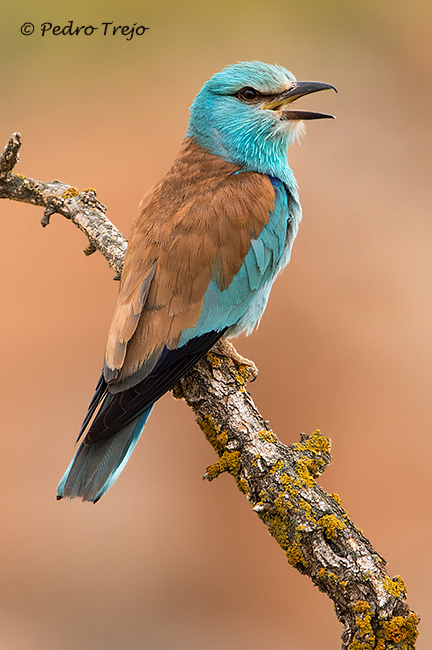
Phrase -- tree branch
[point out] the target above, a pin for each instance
(311, 526)
(82, 208)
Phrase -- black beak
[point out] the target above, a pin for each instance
(299, 89)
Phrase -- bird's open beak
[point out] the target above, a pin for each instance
(299, 89)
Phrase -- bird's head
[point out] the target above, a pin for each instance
(244, 113)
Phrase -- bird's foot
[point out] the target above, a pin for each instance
(226, 349)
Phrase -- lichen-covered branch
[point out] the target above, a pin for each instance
(311, 527)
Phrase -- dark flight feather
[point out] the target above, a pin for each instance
(116, 410)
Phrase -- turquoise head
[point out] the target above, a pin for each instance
(243, 114)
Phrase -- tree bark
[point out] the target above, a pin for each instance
(311, 526)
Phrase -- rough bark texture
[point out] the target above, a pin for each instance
(312, 527)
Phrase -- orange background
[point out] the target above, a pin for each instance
(166, 560)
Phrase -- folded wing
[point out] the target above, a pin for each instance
(192, 237)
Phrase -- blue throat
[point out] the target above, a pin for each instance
(249, 148)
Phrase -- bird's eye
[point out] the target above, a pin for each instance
(247, 94)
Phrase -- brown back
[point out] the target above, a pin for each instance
(197, 223)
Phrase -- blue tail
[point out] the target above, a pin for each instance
(96, 467)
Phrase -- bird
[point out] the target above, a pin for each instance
(209, 241)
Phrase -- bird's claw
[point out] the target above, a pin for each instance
(226, 349)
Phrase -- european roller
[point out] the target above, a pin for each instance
(204, 252)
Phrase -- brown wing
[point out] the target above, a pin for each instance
(197, 223)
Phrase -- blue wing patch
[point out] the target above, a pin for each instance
(241, 305)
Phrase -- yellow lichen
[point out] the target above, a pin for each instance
(361, 606)
(243, 485)
(279, 504)
(399, 630)
(20, 176)
(331, 578)
(295, 556)
(336, 498)
(278, 523)
(268, 436)
(228, 462)
(395, 587)
(286, 480)
(277, 466)
(330, 525)
(212, 432)
(89, 189)
(214, 360)
(365, 637)
(308, 468)
(70, 193)
(291, 485)
(307, 509)
(242, 374)
(315, 443)
(255, 460)
(402, 631)
(303, 471)
(278, 528)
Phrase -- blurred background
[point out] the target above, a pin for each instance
(166, 560)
